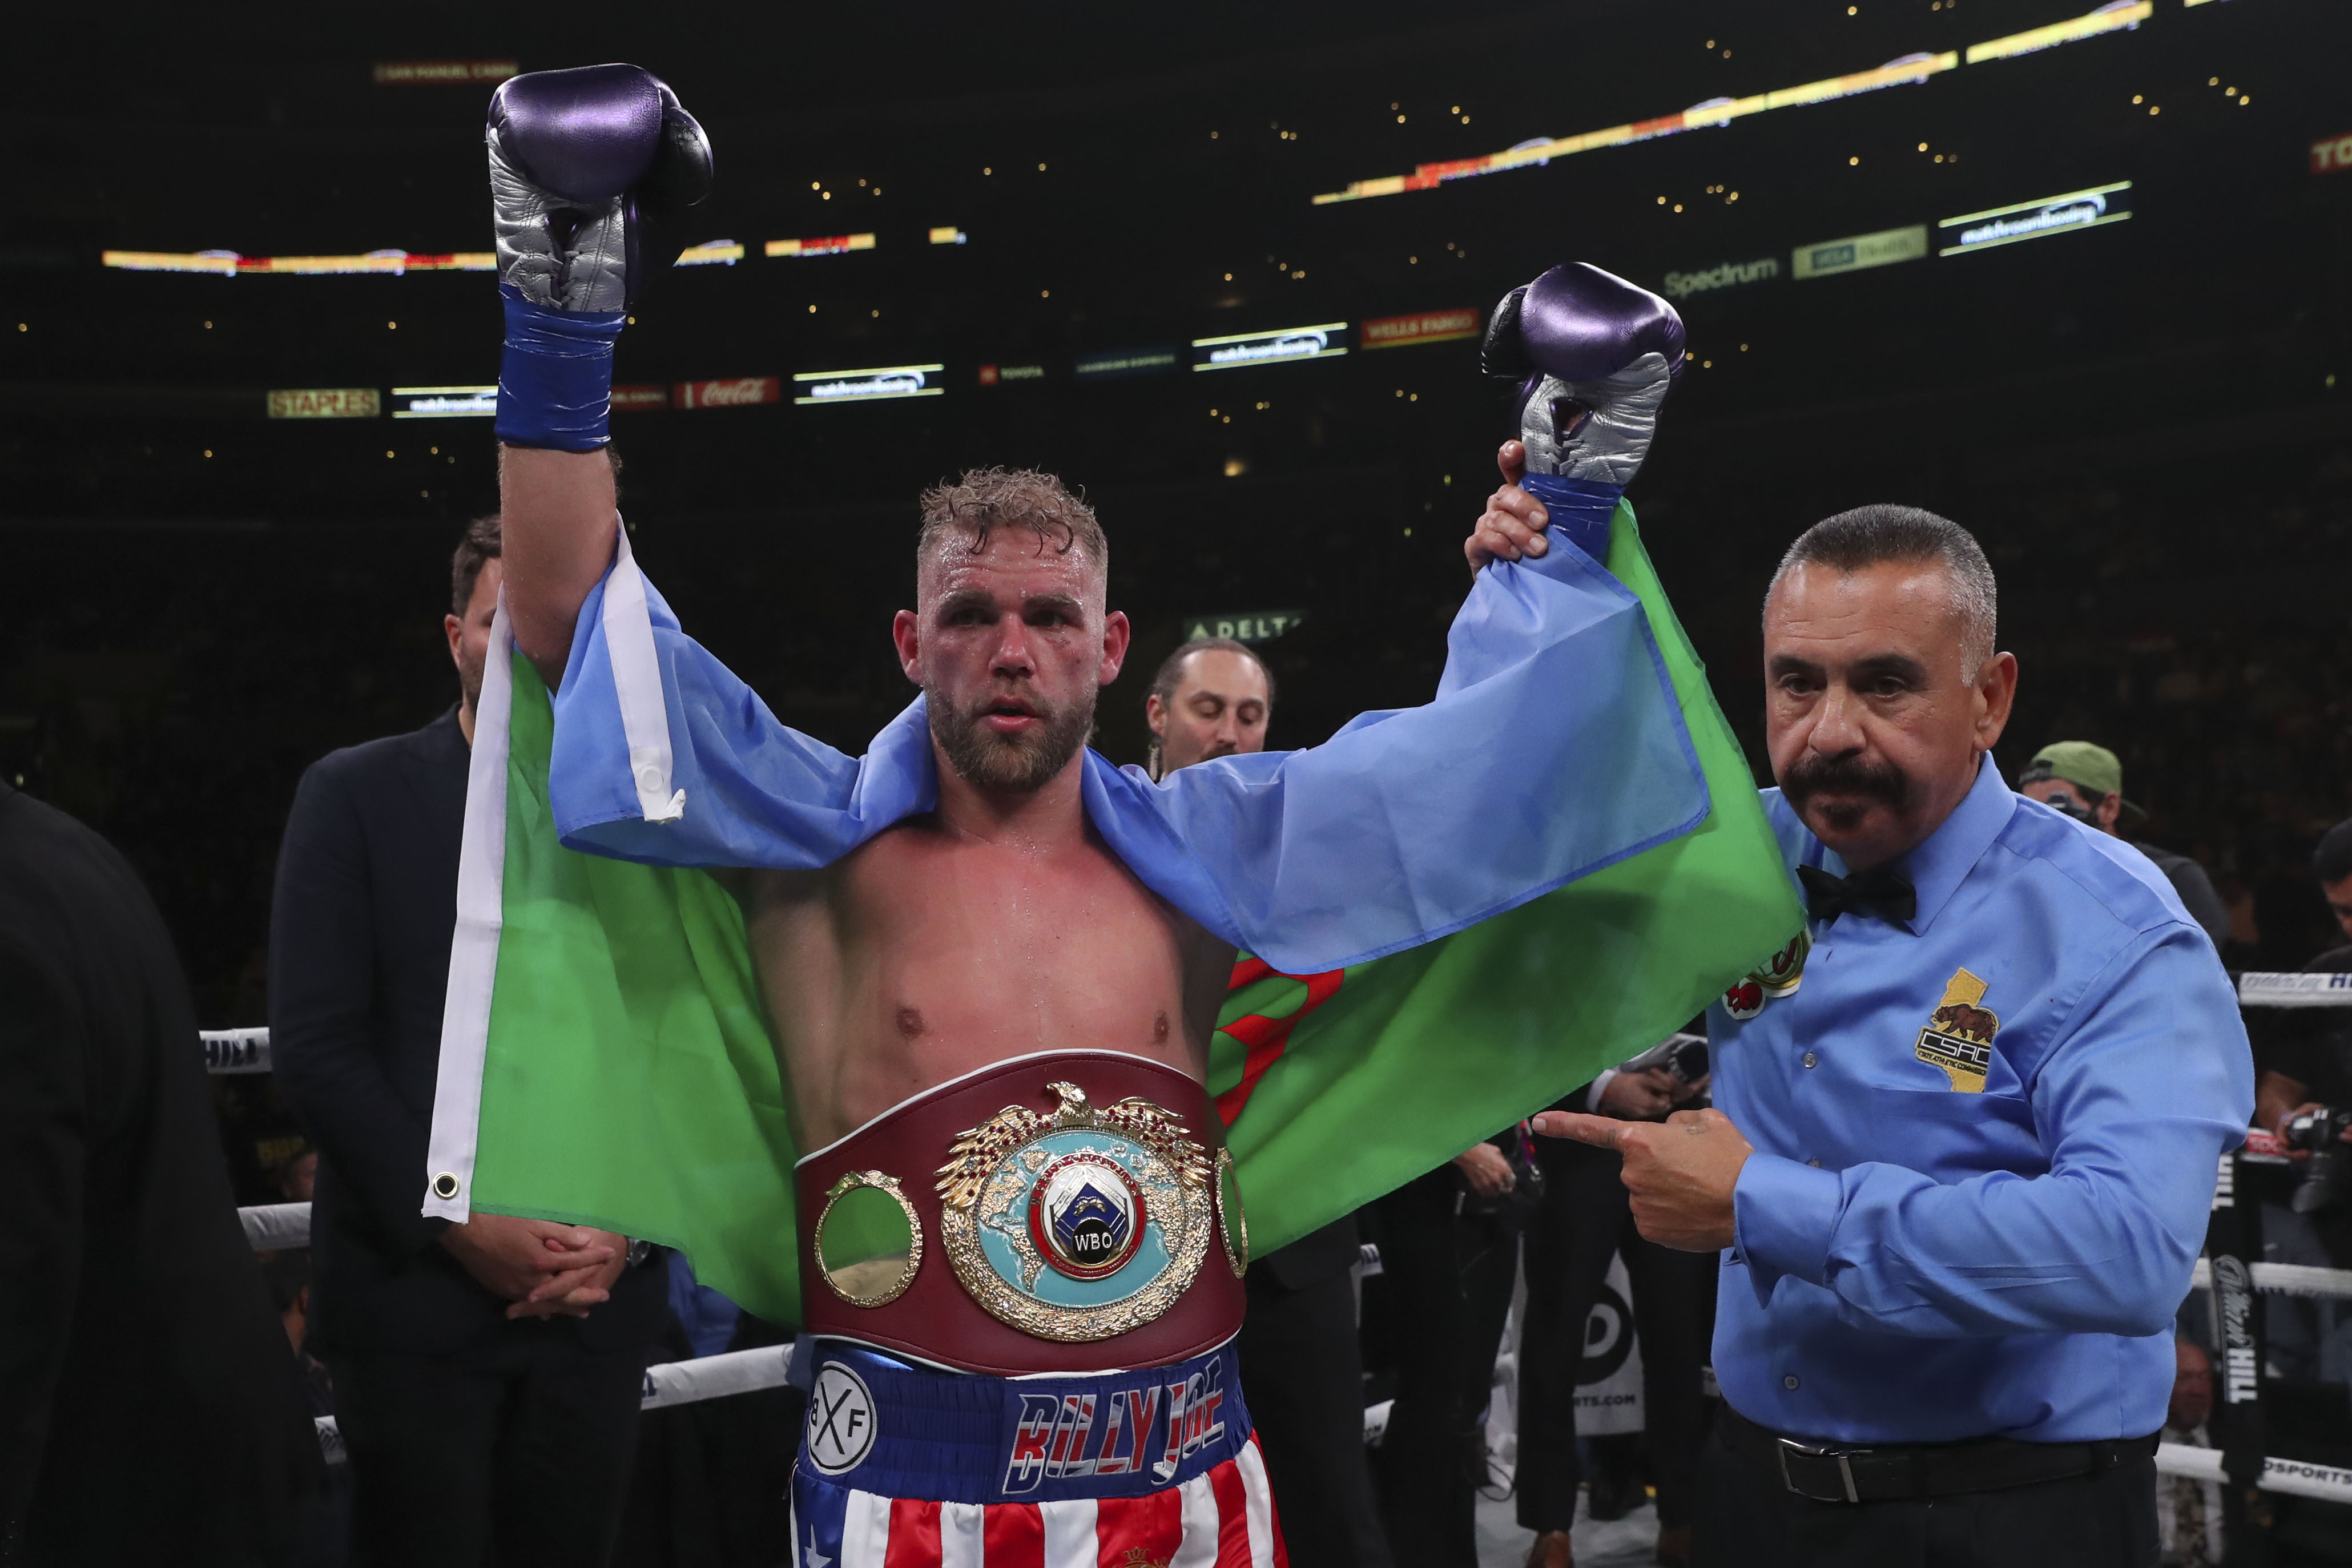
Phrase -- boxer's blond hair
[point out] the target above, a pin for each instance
(986, 500)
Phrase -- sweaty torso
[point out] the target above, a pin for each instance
(923, 956)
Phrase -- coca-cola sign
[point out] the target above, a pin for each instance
(737, 391)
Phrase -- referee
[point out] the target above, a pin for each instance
(1966, 1146)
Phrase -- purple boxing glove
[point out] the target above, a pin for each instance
(579, 161)
(1595, 356)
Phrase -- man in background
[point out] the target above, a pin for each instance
(1213, 697)
(474, 1420)
(149, 1409)
(2086, 783)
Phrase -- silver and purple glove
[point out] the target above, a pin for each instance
(584, 163)
(1594, 357)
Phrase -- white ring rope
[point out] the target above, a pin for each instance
(2259, 988)
(2303, 1478)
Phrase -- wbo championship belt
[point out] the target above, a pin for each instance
(1066, 1211)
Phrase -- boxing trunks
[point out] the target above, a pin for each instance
(1020, 1290)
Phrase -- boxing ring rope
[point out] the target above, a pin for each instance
(273, 1227)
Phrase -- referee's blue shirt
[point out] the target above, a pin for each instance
(1915, 1261)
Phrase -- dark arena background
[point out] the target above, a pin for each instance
(2079, 279)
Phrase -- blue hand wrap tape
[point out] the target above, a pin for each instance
(555, 379)
(1579, 510)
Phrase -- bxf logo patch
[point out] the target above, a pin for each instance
(1153, 1426)
(841, 1424)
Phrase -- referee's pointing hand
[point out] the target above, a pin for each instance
(1681, 1171)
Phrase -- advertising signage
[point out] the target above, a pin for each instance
(1328, 341)
(2035, 220)
(729, 391)
(441, 73)
(1729, 275)
(445, 402)
(1429, 327)
(1855, 252)
(1244, 625)
(2331, 154)
(326, 403)
(638, 398)
(868, 386)
(1111, 363)
(997, 375)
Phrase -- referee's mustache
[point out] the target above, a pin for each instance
(1848, 776)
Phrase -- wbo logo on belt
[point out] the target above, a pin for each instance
(1080, 1223)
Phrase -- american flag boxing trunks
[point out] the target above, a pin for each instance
(905, 1466)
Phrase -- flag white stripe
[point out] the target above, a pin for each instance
(637, 685)
(961, 1527)
(1069, 1534)
(864, 1529)
(1259, 1507)
(1199, 1500)
(474, 952)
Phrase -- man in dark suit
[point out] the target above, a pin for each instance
(1213, 697)
(486, 1375)
(149, 1409)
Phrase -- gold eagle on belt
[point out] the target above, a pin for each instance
(976, 1154)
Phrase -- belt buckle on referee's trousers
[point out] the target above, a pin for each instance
(1802, 1450)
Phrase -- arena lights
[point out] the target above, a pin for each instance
(831, 245)
(2109, 18)
(868, 386)
(1328, 341)
(229, 264)
(1721, 111)
(445, 402)
(711, 253)
(2090, 209)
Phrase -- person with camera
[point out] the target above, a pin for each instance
(1584, 1219)
(2305, 1091)
(1449, 1245)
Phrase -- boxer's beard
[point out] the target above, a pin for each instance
(1017, 764)
(1860, 782)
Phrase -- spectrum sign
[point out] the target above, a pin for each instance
(1328, 341)
(1729, 275)
(1429, 327)
(868, 386)
(445, 402)
(1996, 226)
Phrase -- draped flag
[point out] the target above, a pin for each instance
(628, 1078)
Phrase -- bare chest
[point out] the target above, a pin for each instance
(921, 958)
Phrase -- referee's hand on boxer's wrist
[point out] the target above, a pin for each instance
(1513, 522)
(1681, 1172)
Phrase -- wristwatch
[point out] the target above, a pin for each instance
(640, 1249)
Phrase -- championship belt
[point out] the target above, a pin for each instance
(1067, 1211)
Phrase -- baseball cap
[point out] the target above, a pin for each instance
(2082, 764)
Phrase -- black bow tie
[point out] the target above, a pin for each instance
(1881, 893)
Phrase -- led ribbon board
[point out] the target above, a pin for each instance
(1111, 364)
(445, 402)
(1905, 70)
(229, 264)
(868, 386)
(711, 253)
(831, 245)
(1328, 341)
(2035, 220)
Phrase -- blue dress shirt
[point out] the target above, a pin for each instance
(1918, 1260)
(1555, 747)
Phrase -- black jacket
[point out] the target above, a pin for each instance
(150, 1408)
(358, 962)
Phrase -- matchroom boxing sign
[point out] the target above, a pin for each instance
(1245, 625)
